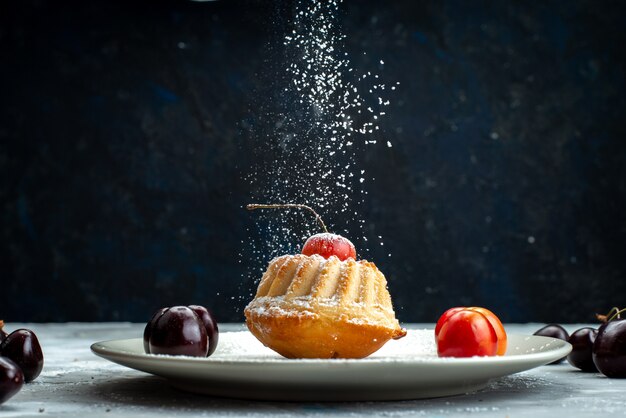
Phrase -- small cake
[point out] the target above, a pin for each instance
(309, 306)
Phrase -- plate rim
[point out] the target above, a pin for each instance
(563, 348)
(333, 380)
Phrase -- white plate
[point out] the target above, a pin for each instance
(407, 368)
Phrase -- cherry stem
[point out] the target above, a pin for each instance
(254, 206)
(612, 311)
(616, 313)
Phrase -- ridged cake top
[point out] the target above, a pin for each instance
(325, 281)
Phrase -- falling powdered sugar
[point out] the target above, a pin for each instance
(324, 113)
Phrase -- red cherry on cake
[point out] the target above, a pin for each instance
(327, 245)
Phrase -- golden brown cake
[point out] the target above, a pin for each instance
(312, 307)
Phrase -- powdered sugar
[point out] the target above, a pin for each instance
(243, 346)
(327, 113)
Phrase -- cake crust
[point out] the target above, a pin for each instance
(311, 307)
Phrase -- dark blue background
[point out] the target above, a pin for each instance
(126, 130)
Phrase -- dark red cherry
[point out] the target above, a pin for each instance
(11, 379)
(210, 324)
(147, 331)
(582, 344)
(22, 346)
(609, 349)
(327, 245)
(554, 331)
(179, 331)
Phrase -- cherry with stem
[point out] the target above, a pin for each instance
(325, 244)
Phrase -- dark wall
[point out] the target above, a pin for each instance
(127, 130)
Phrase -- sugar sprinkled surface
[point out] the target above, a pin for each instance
(243, 346)
(104, 388)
